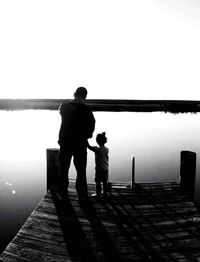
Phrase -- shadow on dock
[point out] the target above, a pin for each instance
(73, 233)
(152, 222)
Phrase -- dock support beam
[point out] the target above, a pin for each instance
(133, 173)
(188, 171)
(52, 166)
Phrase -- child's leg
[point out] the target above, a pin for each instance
(98, 184)
(105, 182)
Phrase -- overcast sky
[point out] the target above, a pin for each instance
(146, 49)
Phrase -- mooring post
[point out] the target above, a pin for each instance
(52, 166)
(133, 172)
(188, 171)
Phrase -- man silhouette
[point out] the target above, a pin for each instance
(77, 125)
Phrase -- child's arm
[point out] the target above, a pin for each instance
(90, 147)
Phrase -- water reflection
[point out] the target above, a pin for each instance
(6, 188)
(155, 140)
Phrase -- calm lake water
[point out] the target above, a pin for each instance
(154, 139)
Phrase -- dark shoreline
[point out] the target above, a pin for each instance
(107, 105)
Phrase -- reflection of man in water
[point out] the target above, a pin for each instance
(76, 127)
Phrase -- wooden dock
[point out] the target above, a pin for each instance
(151, 222)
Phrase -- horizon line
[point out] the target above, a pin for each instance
(107, 105)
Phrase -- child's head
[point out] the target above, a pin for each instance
(101, 138)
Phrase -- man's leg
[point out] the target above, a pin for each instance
(105, 187)
(80, 163)
(65, 156)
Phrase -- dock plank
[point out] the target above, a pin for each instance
(151, 222)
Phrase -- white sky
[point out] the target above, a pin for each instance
(134, 49)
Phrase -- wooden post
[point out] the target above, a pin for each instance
(52, 166)
(188, 171)
(133, 172)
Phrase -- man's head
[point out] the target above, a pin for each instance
(81, 93)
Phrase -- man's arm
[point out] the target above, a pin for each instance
(91, 124)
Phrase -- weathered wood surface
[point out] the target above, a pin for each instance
(152, 222)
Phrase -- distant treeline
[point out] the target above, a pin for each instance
(107, 105)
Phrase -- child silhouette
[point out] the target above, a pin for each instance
(101, 164)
